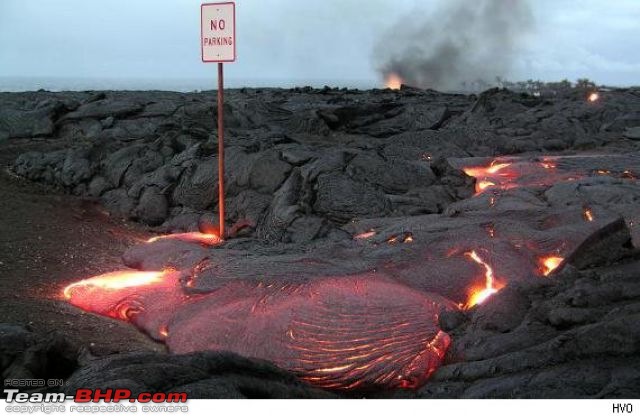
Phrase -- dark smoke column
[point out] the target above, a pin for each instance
(462, 45)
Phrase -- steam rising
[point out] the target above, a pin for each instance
(463, 45)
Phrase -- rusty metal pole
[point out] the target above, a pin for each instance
(221, 150)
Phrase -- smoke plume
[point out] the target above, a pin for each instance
(463, 45)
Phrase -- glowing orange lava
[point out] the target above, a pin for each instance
(593, 97)
(364, 236)
(549, 264)
(548, 164)
(117, 294)
(492, 169)
(164, 331)
(482, 185)
(116, 280)
(491, 231)
(496, 167)
(491, 287)
(393, 81)
(588, 214)
(483, 174)
(192, 237)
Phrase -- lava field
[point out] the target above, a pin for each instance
(382, 243)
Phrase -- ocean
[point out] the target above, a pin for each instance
(16, 84)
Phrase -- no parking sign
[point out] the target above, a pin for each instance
(218, 44)
(218, 32)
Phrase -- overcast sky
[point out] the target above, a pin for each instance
(285, 42)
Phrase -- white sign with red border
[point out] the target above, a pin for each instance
(218, 32)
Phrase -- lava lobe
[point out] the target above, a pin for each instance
(339, 333)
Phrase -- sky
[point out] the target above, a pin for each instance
(155, 43)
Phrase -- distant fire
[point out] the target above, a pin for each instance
(192, 237)
(478, 296)
(549, 264)
(393, 81)
(593, 97)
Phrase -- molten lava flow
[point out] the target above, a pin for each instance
(593, 97)
(482, 185)
(117, 294)
(341, 333)
(485, 174)
(192, 237)
(491, 230)
(164, 331)
(491, 287)
(497, 167)
(549, 264)
(489, 171)
(393, 81)
(364, 236)
(588, 214)
(116, 281)
(506, 173)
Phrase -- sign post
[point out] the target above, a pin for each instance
(218, 44)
